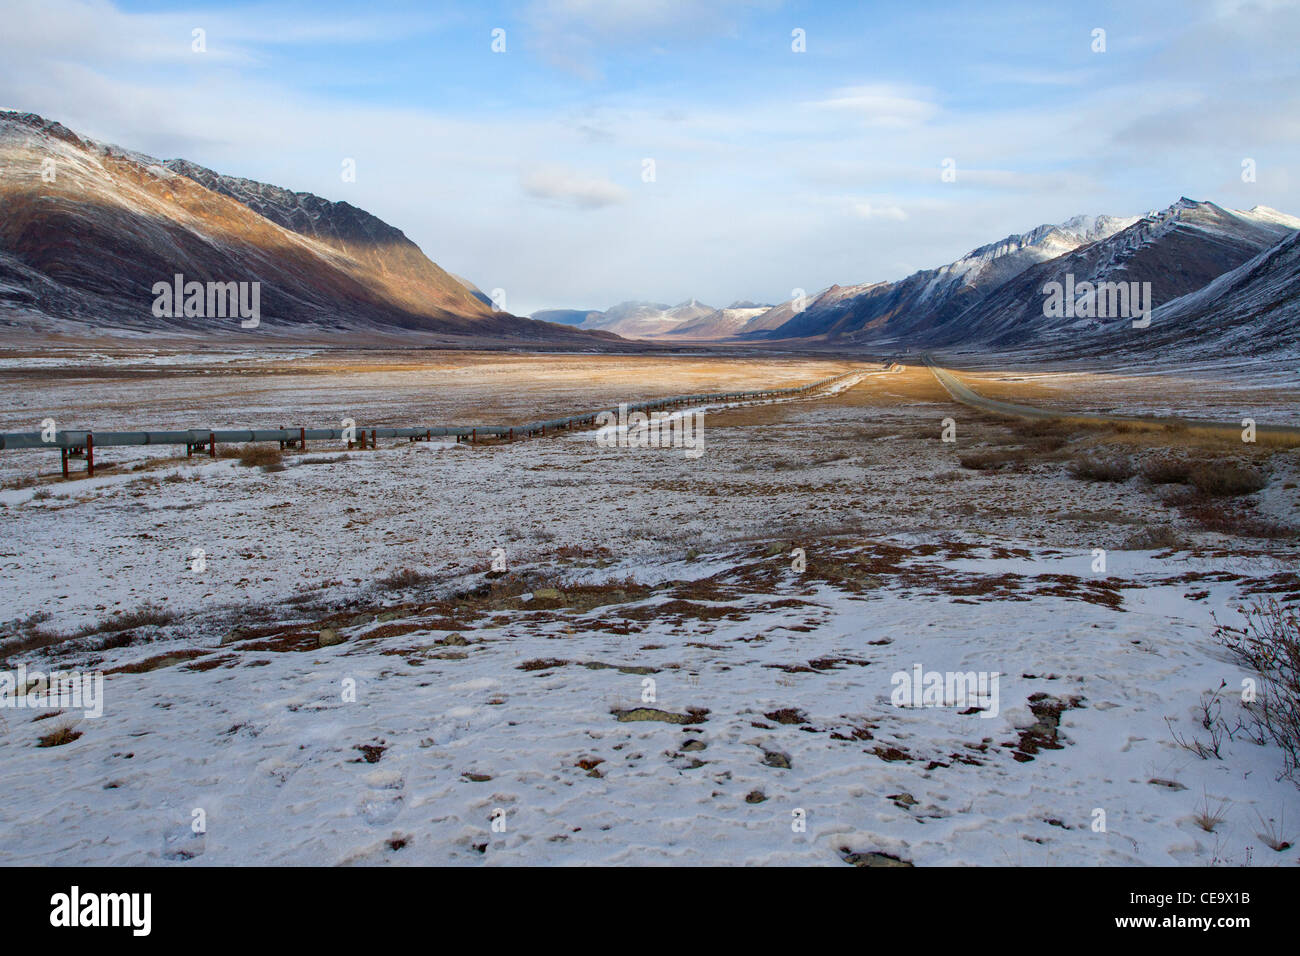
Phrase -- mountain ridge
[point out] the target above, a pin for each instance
(89, 229)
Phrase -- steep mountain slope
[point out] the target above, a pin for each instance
(1178, 250)
(1255, 308)
(927, 299)
(474, 290)
(88, 229)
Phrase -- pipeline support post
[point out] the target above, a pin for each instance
(90, 455)
(212, 444)
(65, 462)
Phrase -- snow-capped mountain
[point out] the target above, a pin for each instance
(88, 229)
(631, 320)
(1177, 250)
(720, 323)
(933, 296)
(994, 296)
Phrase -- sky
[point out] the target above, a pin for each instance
(666, 150)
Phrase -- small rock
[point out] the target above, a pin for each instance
(454, 640)
(755, 796)
(693, 745)
(774, 758)
(547, 594)
(872, 859)
(328, 637)
(387, 616)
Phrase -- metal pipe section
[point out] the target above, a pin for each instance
(201, 437)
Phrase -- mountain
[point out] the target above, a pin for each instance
(720, 323)
(1178, 250)
(931, 297)
(631, 320)
(1252, 309)
(88, 229)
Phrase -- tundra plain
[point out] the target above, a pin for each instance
(684, 660)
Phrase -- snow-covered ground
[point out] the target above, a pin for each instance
(477, 696)
(786, 680)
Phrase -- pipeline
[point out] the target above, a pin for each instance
(195, 438)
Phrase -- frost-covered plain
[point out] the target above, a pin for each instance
(479, 696)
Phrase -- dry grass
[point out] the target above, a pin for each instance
(265, 456)
(1226, 479)
(1209, 819)
(403, 579)
(1154, 538)
(995, 459)
(29, 635)
(147, 616)
(1167, 470)
(60, 735)
(1106, 469)
(1220, 517)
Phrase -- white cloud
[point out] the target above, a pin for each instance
(575, 189)
(882, 105)
(866, 210)
(757, 192)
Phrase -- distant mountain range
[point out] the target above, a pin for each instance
(656, 321)
(1177, 250)
(87, 230)
(993, 297)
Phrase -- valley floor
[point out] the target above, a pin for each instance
(656, 678)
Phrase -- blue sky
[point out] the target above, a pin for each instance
(774, 170)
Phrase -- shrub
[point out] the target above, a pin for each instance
(1043, 428)
(985, 460)
(263, 455)
(1268, 642)
(1153, 538)
(1167, 471)
(1225, 480)
(405, 578)
(1102, 469)
(147, 616)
